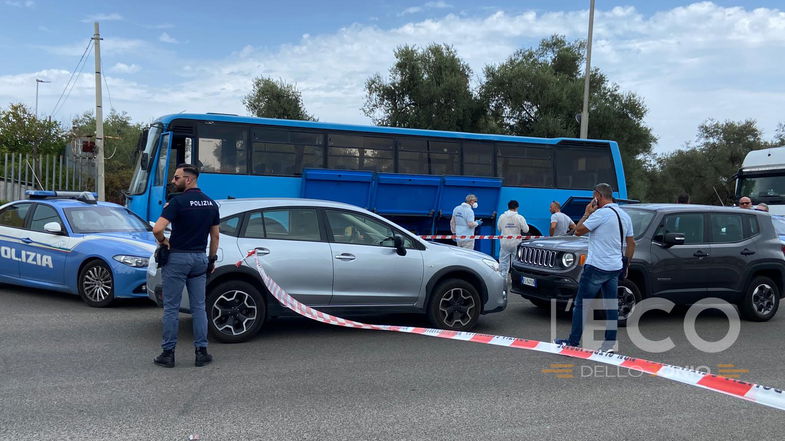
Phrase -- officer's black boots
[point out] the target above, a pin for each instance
(166, 359)
(202, 357)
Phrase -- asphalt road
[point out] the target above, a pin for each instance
(72, 372)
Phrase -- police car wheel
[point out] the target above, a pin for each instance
(96, 284)
(455, 305)
(761, 300)
(629, 295)
(235, 311)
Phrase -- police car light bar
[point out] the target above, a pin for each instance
(82, 196)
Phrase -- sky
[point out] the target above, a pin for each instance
(688, 61)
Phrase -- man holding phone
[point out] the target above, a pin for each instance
(604, 263)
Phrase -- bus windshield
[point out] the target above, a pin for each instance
(139, 180)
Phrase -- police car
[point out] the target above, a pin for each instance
(69, 242)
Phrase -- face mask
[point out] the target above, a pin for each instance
(474, 205)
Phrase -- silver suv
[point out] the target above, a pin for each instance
(340, 259)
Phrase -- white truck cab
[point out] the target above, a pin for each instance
(762, 178)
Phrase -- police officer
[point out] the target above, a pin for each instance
(193, 215)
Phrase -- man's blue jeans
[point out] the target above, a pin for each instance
(184, 270)
(593, 281)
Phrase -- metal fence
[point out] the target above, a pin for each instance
(23, 171)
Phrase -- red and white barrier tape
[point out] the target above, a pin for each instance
(453, 236)
(756, 393)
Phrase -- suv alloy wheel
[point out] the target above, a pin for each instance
(235, 311)
(454, 305)
(761, 300)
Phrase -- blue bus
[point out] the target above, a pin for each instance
(413, 177)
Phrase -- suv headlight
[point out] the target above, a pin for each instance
(567, 259)
(491, 263)
(134, 261)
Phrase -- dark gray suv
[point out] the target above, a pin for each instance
(683, 253)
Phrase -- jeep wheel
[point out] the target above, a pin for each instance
(455, 305)
(761, 300)
(96, 285)
(235, 311)
(629, 295)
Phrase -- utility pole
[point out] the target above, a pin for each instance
(37, 82)
(585, 113)
(99, 120)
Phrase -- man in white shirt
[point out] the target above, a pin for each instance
(603, 264)
(462, 222)
(510, 224)
(561, 224)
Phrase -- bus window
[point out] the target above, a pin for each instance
(412, 156)
(283, 152)
(222, 149)
(478, 158)
(584, 167)
(521, 165)
(444, 158)
(351, 152)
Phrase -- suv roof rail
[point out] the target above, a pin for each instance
(82, 196)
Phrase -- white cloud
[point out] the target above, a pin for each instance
(20, 4)
(102, 17)
(411, 10)
(166, 38)
(689, 63)
(429, 5)
(123, 68)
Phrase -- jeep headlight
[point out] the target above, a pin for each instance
(134, 261)
(567, 259)
(491, 263)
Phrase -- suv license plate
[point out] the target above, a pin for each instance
(528, 281)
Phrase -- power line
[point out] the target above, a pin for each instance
(73, 79)
(108, 93)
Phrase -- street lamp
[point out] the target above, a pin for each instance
(585, 113)
(37, 81)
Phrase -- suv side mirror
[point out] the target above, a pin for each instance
(672, 239)
(53, 227)
(398, 243)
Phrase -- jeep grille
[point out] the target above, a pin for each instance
(537, 256)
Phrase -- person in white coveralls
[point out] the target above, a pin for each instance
(462, 222)
(510, 224)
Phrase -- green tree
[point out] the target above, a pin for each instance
(276, 99)
(23, 132)
(779, 135)
(120, 138)
(538, 92)
(705, 168)
(428, 89)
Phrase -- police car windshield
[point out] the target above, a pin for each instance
(94, 219)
